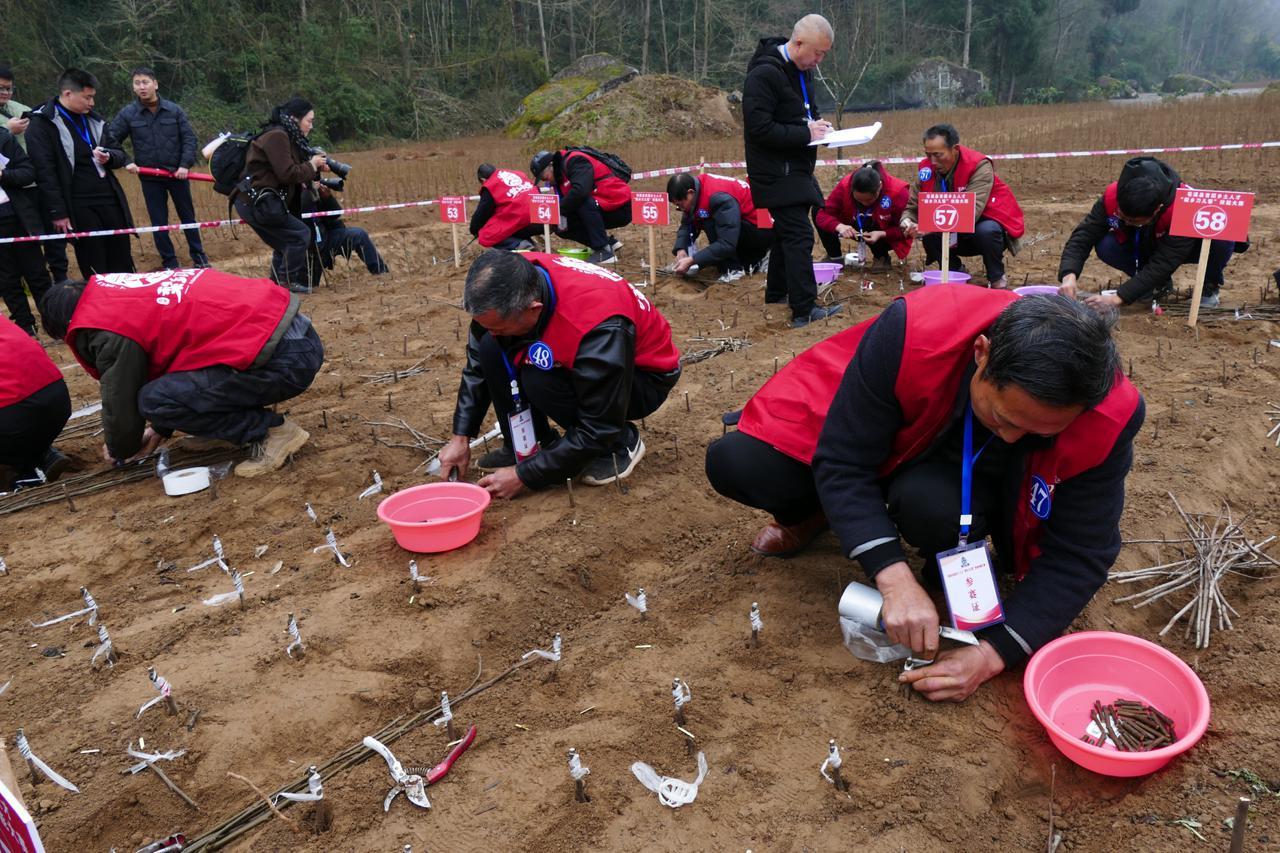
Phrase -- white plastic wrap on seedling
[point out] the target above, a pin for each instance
(162, 463)
(24, 750)
(149, 758)
(375, 489)
(639, 601)
(576, 768)
(331, 544)
(90, 609)
(553, 655)
(446, 712)
(672, 793)
(869, 644)
(315, 787)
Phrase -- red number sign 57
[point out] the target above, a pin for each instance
(1211, 214)
(453, 208)
(650, 209)
(951, 213)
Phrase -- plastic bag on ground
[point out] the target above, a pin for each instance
(866, 643)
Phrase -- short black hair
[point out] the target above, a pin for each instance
(679, 185)
(1139, 196)
(867, 180)
(143, 71)
(1056, 349)
(500, 281)
(57, 305)
(6, 73)
(485, 171)
(76, 80)
(946, 131)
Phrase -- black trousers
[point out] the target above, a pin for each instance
(550, 393)
(157, 194)
(526, 233)
(55, 255)
(220, 402)
(21, 262)
(589, 225)
(29, 427)
(923, 499)
(347, 241)
(294, 260)
(987, 240)
(753, 244)
(831, 243)
(791, 260)
(101, 254)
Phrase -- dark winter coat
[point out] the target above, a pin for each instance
(49, 143)
(775, 130)
(17, 180)
(162, 140)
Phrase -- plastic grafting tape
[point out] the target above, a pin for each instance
(185, 481)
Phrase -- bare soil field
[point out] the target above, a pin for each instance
(964, 777)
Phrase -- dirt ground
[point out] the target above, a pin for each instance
(974, 776)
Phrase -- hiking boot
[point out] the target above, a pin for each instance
(787, 540)
(601, 257)
(1001, 283)
(200, 261)
(818, 313)
(615, 245)
(730, 276)
(499, 457)
(282, 441)
(1209, 300)
(617, 465)
(54, 464)
(833, 259)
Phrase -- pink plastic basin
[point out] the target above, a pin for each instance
(1036, 290)
(953, 277)
(824, 272)
(434, 517)
(1064, 678)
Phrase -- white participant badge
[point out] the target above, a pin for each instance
(523, 436)
(969, 582)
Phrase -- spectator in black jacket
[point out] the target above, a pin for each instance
(20, 217)
(13, 114)
(1128, 228)
(162, 139)
(336, 237)
(75, 157)
(779, 120)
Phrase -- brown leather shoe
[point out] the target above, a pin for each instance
(780, 540)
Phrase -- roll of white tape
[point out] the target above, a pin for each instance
(186, 481)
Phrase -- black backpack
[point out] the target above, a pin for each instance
(227, 163)
(615, 163)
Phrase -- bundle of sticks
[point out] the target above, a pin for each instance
(1130, 726)
(718, 347)
(1215, 546)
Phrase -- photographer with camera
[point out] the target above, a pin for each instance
(278, 163)
(336, 237)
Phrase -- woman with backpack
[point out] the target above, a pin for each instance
(277, 163)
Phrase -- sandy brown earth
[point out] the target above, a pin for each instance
(924, 777)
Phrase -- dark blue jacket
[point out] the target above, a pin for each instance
(775, 130)
(163, 139)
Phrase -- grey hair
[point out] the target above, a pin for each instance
(500, 281)
(812, 25)
(1054, 348)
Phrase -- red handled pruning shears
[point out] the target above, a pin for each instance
(435, 774)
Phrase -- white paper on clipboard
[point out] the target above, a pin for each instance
(849, 136)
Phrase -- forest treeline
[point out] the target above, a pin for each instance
(426, 68)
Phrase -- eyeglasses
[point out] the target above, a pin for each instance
(6, 90)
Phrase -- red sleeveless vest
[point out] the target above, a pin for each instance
(25, 367)
(709, 185)
(1001, 205)
(510, 189)
(885, 213)
(610, 191)
(586, 296)
(1110, 201)
(183, 319)
(942, 324)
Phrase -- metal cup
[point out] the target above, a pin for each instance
(862, 604)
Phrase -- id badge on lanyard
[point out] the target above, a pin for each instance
(524, 439)
(968, 575)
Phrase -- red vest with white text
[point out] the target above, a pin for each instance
(942, 323)
(182, 319)
(585, 296)
(1110, 201)
(610, 191)
(884, 215)
(25, 367)
(740, 191)
(510, 189)
(1001, 206)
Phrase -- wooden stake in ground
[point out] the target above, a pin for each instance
(946, 258)
(1201, 269)
(1238, 825)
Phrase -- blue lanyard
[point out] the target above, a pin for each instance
(968, 460)
(804, 90)
(1137, 249)
(861, 230)
(511, 370)
(942, 184)
(81, 130)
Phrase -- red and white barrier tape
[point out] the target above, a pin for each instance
(654, 173)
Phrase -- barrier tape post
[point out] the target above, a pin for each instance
(1209, 215)
(651, 210)
(453, 209)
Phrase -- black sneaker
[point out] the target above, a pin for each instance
(499, 457)
(602, 257)
(617, 465)
(200, 261)
(818, 313)
(615, 245)
(55, 464)
(295, 287)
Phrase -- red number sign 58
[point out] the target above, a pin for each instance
(1211, 214)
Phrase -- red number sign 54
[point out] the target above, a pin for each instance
(544, 208)
(951, 213)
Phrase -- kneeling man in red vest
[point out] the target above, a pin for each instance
(956, 415)
(559, 338)
(200, 351)
(34, 407)
(739, 234)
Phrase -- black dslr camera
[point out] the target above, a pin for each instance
(335, 184)
(336, 166)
